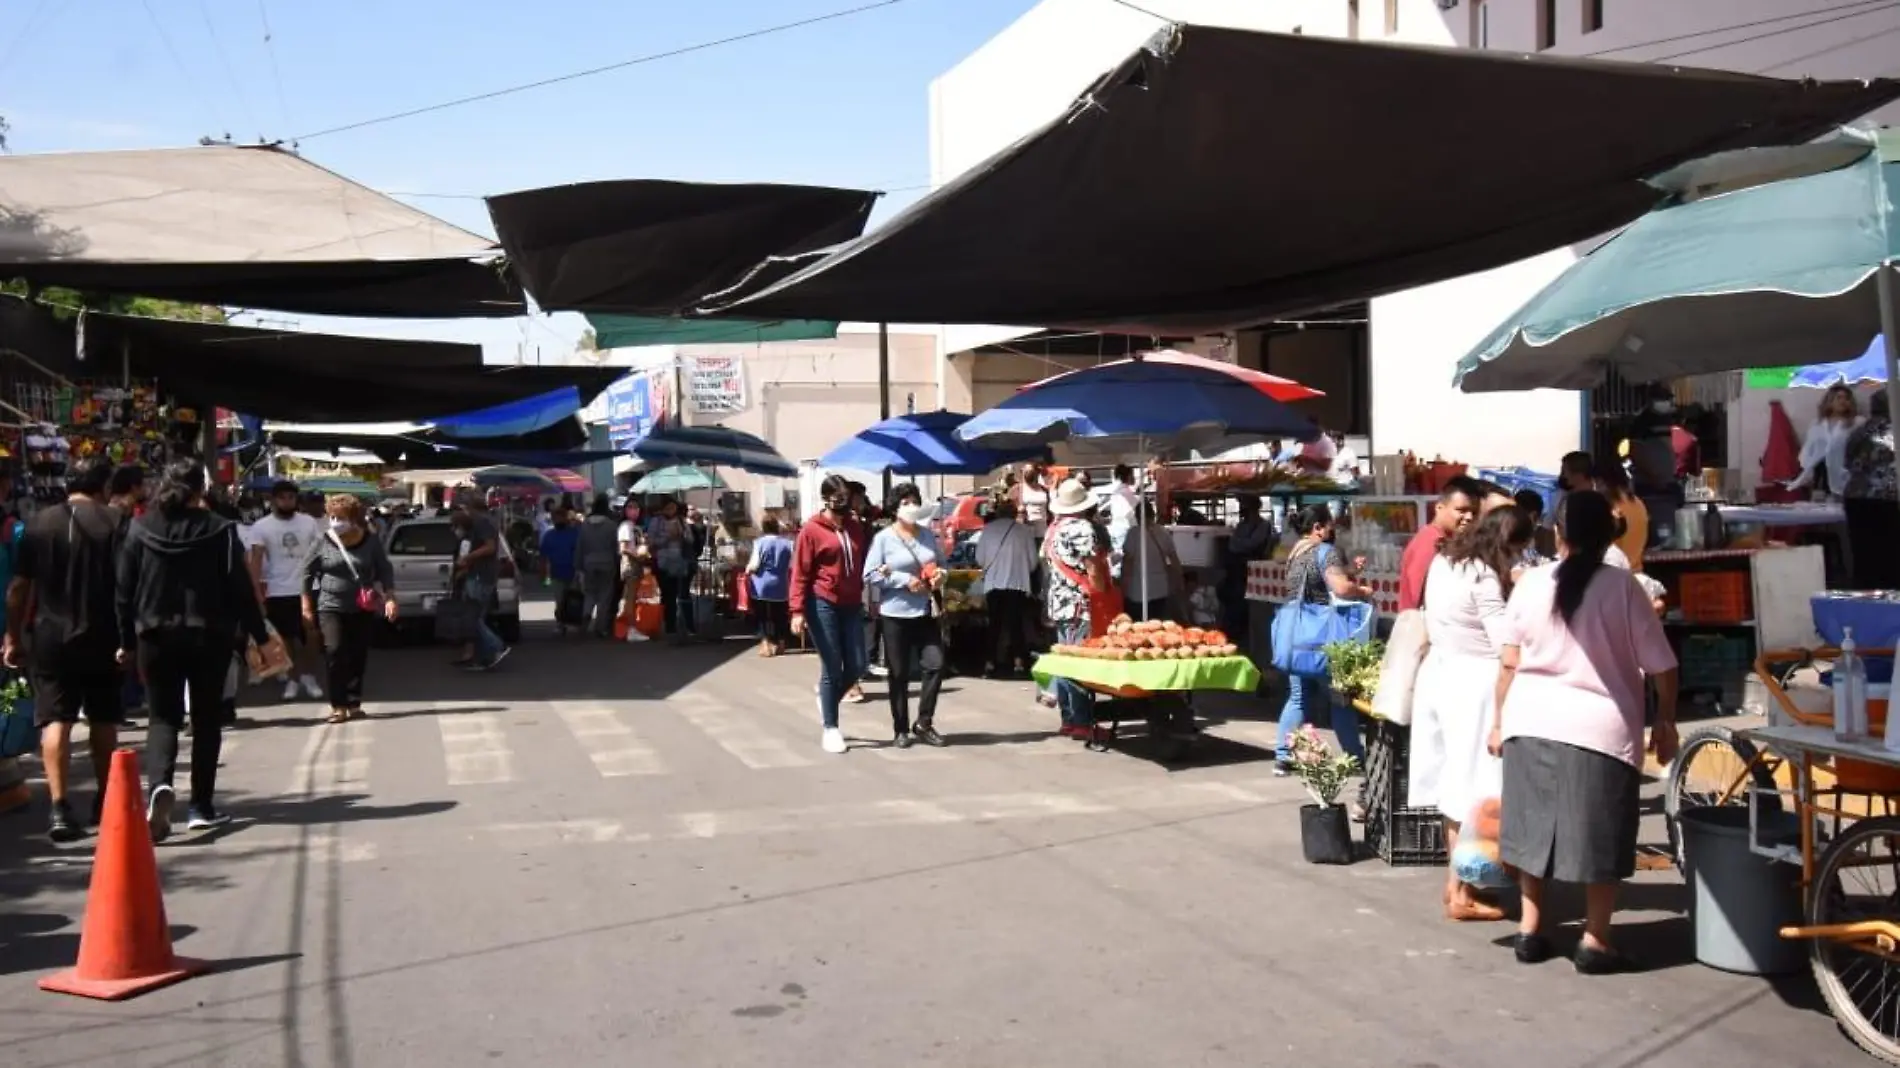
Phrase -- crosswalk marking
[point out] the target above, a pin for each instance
(738, 733)
(615, 748)
(333, 757)
(476, 749)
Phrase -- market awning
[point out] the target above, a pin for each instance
(560, 445)
(643, 247)
(285, 375)
(255, 227)
(633, 331)
(1221, 177)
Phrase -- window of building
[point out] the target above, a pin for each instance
(1480, 24)
(1391, 17)
(1592, 15)
(1546, 24)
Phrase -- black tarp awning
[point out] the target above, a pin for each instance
(642, 247)
(561, 445)
(1223, 177)
(252, 227)
(285, 375)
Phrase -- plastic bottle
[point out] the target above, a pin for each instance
(1850, 691)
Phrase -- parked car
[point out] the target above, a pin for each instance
(422, 552)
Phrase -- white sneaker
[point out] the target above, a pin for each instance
(291, 693)
(311, 689)
(834, 741)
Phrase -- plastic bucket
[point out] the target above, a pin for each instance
(1740, 901)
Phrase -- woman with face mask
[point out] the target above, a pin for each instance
(904, 566)
(827, 600)
(346, 587)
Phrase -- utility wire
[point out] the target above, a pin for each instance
(1775, 33)
(1137, 7)
(26, 30)
(1841, 47)
(1868, 7)
(591, 71)
(224, 61)
(184, 72)
(276, 72)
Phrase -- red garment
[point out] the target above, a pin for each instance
(1688, 450)
(1415, 564)
(1781, 459)
(828, 562)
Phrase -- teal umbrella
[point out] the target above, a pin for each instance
(680, 478)
(1758, 258)
(338, 485)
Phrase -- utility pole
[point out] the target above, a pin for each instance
(884, 389)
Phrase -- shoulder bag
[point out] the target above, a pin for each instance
(367, 599)
(1301, 630)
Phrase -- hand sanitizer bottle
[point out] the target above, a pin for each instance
(1850, 691)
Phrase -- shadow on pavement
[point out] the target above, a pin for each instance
(336, 808)
(51, 948)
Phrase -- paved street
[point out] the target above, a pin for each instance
(639, 856)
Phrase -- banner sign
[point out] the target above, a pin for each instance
(716, 384)
(634, 404)
(1768, 377)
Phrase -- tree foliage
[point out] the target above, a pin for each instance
(65, 303)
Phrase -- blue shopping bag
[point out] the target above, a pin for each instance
(1302, 631)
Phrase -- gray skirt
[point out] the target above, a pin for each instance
(1569, 813)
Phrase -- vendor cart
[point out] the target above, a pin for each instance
(1845, 796)
(1161, 692)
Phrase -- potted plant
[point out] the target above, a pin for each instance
(17, 731)
(1354, 667)
(1325, 831)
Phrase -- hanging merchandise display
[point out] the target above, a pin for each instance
(67, 421)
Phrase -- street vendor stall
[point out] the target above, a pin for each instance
(1151, 671)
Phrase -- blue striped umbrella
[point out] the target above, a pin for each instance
(712, 446)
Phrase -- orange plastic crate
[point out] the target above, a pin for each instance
(1715, 596)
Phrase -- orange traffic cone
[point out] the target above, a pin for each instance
(125, 947)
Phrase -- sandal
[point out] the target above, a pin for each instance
(357, 713)
(338, 715)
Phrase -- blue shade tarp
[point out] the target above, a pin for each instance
(923, 444)
(634, 331)
(1137, 405)
(1869, 366)
(524, 416)
(712, 446)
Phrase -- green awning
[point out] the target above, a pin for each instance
(633, 331)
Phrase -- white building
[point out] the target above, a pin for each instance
(1392, 380)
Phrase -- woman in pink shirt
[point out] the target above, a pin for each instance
(1578, 640)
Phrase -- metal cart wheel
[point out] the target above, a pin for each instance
(1713, 767)
(1856, 881)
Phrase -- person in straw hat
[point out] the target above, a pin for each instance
(1080, 589)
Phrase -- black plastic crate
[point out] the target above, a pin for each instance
(1400, 835)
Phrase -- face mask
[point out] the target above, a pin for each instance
(342, 526)
(838, 504)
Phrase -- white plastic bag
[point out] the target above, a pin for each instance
(1405, 650)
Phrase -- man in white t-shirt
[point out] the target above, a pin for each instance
(280, 544)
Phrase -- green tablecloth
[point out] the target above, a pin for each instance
(1235, 673)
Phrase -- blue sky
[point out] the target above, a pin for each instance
(844, 102)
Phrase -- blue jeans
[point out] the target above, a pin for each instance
(488, 645)
(1077, 704)
(837, 632)
(1303, 695)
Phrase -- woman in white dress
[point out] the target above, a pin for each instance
(1465, 594)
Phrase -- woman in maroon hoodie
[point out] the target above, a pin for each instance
(828, 599)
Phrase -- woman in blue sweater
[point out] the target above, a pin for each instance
(906, 569)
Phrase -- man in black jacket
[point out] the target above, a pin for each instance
(184, 595)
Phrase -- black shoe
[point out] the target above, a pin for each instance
(1601, 962)
(1282, 768)
(99, 808)
(928, 735)
(901, 739)
(61, 826)
(158, 812)
(1531, 948)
